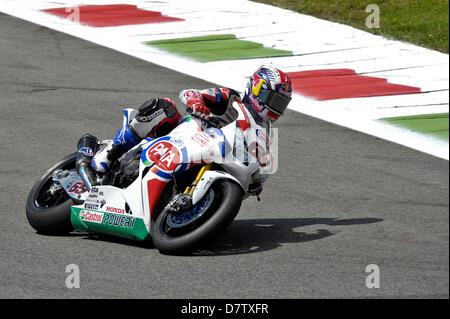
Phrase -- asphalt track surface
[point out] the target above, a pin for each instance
(340, 201)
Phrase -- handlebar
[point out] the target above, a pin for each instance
(212, 121)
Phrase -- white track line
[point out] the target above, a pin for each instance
(316, 44)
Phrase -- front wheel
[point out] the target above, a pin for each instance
(50, 213)
(183, 232)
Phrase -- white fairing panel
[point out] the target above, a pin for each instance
(208, 178)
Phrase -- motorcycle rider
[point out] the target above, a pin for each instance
(267, 95)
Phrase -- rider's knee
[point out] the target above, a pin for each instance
(156, 117)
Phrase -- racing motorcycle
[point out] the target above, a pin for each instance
(179, 190)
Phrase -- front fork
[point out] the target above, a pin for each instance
(183, 202)
(190, 189)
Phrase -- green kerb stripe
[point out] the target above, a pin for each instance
(433, 124)
(217, 48)
(195, 39)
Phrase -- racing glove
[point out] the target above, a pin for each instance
(198, 109)
(195, 104)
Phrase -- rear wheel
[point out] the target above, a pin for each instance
(183, 232)
(50, 213)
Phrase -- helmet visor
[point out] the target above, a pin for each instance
(273, 100)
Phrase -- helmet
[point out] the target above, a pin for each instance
(268, 92)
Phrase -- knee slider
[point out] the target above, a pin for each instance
(156, 117)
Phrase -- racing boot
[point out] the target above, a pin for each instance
(124, 140)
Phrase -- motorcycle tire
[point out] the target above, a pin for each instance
(50, 216)
(217, 217)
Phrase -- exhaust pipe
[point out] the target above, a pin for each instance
(87, 147)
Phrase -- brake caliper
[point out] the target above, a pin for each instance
(180, 203)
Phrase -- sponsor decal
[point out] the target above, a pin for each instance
(119, 221)
(257, 83)
(116, 210)
(208, 183)
(202, 140)
(86, 151)
(91, 206)
(108, 219)
(92, 217)
(165, 155)
(94, 197)
(102, 203)
(176, 141)
(151, 116)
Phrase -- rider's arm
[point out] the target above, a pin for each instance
(214, 100)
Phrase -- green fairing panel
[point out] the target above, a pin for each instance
(125, 226)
